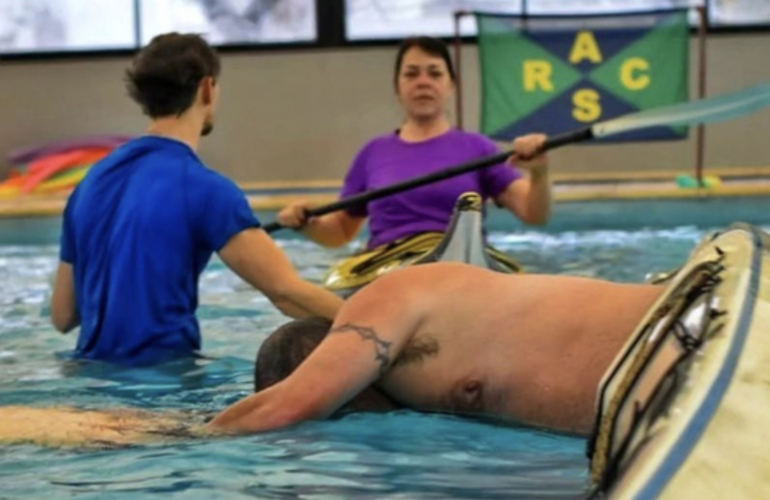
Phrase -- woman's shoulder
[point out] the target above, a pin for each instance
(377, 145)
(382, 140)
(474, 138)
(474, 141)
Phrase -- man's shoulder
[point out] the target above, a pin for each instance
(412, 281)
(147, 152)
(428, 278)
(200, 173)
(212, 191)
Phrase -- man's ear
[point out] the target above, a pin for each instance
(207, 89)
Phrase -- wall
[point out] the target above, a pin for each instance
(298, 115)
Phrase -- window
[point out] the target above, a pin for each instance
(389, 19)
(370, 19)
(231, 22)
(77, 26)
(66, 25)
(739, 12)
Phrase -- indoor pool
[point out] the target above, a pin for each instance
(399, 455)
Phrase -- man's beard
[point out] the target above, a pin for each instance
(208, 127)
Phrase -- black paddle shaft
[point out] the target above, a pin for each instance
(375, 194)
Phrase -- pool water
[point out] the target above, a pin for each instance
(399, 455)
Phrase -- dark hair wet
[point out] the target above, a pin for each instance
(165, 75)
(429, 45)
(288, 346)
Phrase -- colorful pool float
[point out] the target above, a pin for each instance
(47, 167)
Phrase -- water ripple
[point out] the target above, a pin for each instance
(402, 455)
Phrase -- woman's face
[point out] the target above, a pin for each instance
(424, 85)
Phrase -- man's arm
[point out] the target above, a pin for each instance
(363, 343)
(64, 307)
(255, 257)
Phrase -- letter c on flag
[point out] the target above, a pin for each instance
(641, 80)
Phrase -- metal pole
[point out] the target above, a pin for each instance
(458, 46)
(700, 140)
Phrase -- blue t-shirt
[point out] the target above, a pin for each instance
(138, 231)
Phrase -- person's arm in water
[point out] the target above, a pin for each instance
(529, 198)
(331, 230)
(64, 306)
(363, 343)
(255, 257)
(66, 426)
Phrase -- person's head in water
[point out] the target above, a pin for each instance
(176, 74)
(289, 345)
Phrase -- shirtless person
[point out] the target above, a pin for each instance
(449, 337)
(445, 337)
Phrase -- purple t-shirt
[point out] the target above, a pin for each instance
(388, 159)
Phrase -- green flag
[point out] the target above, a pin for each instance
(553, 74)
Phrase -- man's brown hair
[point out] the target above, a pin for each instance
(165, 75)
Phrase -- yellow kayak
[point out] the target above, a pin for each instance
(463, 242)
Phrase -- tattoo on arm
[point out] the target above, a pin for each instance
(381, 347)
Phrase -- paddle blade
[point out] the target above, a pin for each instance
(714, 109)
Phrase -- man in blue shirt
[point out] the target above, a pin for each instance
(143, 224)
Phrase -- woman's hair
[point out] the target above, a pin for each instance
(429, 45)
(164, 76)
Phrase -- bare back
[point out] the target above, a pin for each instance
(531, 348)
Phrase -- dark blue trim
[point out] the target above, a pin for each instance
(691, 435)
(581, 15)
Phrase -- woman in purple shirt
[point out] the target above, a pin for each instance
(427, 142)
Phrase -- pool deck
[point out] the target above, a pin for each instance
(269, 196)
